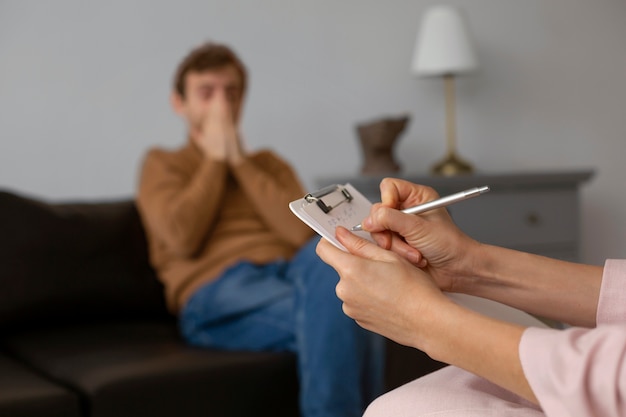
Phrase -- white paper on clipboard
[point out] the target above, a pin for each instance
(332, 206)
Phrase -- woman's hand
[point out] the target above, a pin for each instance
(381, 290)
(388, 295)
(430, 240)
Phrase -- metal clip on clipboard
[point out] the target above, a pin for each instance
(333, 194)
(319, 210)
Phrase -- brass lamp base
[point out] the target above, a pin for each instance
(452, 165)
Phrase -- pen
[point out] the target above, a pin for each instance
(440, 202)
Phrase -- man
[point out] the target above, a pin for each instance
(239, 269)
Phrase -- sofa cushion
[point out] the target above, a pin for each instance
(143, 368)
(81, 261)
(25, 393)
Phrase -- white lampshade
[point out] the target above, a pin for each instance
(443, 44)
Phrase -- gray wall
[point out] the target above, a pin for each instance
(84, 90)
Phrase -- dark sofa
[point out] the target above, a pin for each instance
(85, 331)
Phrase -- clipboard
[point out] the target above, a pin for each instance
(332, 206)
(342, 205)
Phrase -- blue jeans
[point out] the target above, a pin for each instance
(292, 306)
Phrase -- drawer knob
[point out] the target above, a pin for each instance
(533, 219)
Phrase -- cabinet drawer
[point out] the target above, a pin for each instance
(521, 219)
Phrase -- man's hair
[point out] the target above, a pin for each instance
(208, 56)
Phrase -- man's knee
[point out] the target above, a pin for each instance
(311, 267)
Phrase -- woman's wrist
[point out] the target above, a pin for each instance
(471, 269)
(479, 344)
(433, 320)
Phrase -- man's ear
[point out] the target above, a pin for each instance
(178, 103)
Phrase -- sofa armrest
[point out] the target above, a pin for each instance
(73, 262)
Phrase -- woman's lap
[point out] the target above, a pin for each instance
(451, 392)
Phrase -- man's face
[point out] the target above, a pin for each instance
(203, 87)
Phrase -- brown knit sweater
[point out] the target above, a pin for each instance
(201, 216)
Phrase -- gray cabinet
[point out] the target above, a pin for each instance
(532, 212)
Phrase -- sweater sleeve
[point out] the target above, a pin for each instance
(581, 372)
(271, 184)
(178, 209)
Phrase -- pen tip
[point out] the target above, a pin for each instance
(357, 228)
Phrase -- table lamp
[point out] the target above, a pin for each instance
(444, 49)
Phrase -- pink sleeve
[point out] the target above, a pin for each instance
(612, 302)
(581, 372)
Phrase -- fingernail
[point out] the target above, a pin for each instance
(414, 258)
